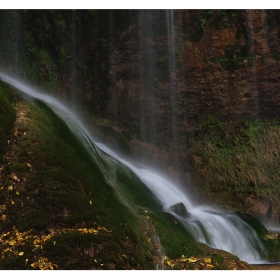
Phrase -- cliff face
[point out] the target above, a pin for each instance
(166, 84)
(156, 76)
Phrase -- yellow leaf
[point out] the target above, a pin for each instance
(54, 242)
(192, 259)
(20, 253)
(17, 193)
(12, 202)
(210, 265)
(207, 260)
(90, 202)
(3, 217)
(12, 242)
(14, 177)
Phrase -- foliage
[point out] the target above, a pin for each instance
(240, 157)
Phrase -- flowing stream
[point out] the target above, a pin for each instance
(216, 228)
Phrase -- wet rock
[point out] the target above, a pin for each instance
(180, 209)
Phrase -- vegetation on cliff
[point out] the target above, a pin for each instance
(239, 162)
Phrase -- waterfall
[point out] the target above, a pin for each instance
(172, 76)
(146, 75)
(213, 227)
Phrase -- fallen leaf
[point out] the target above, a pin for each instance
(207, 260)
(17, 193)
(90, 202)
(210, 265)
(3, 217)
(271, 236)
(28, 164)
(21, 253)
(12, 202)
(192, 259)
(14, 177)
(12, 242)
(2, 207)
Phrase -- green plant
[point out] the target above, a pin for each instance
(202, 22)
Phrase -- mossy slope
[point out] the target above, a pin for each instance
(7, 117)
(57, 187)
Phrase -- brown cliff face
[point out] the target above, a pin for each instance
(230, 71)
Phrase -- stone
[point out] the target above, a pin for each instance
(180, 209)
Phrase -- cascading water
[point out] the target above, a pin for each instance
(216, 228)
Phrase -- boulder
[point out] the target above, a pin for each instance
(180, 209)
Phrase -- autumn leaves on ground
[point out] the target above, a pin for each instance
(57, 211)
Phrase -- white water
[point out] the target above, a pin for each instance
(213, 227)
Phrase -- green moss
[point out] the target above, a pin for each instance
(7, 117)
(173, 236)
(66, 188)
(254, 223)
(240, 158)
(272, 249)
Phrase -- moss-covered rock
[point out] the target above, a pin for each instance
(7, 117)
